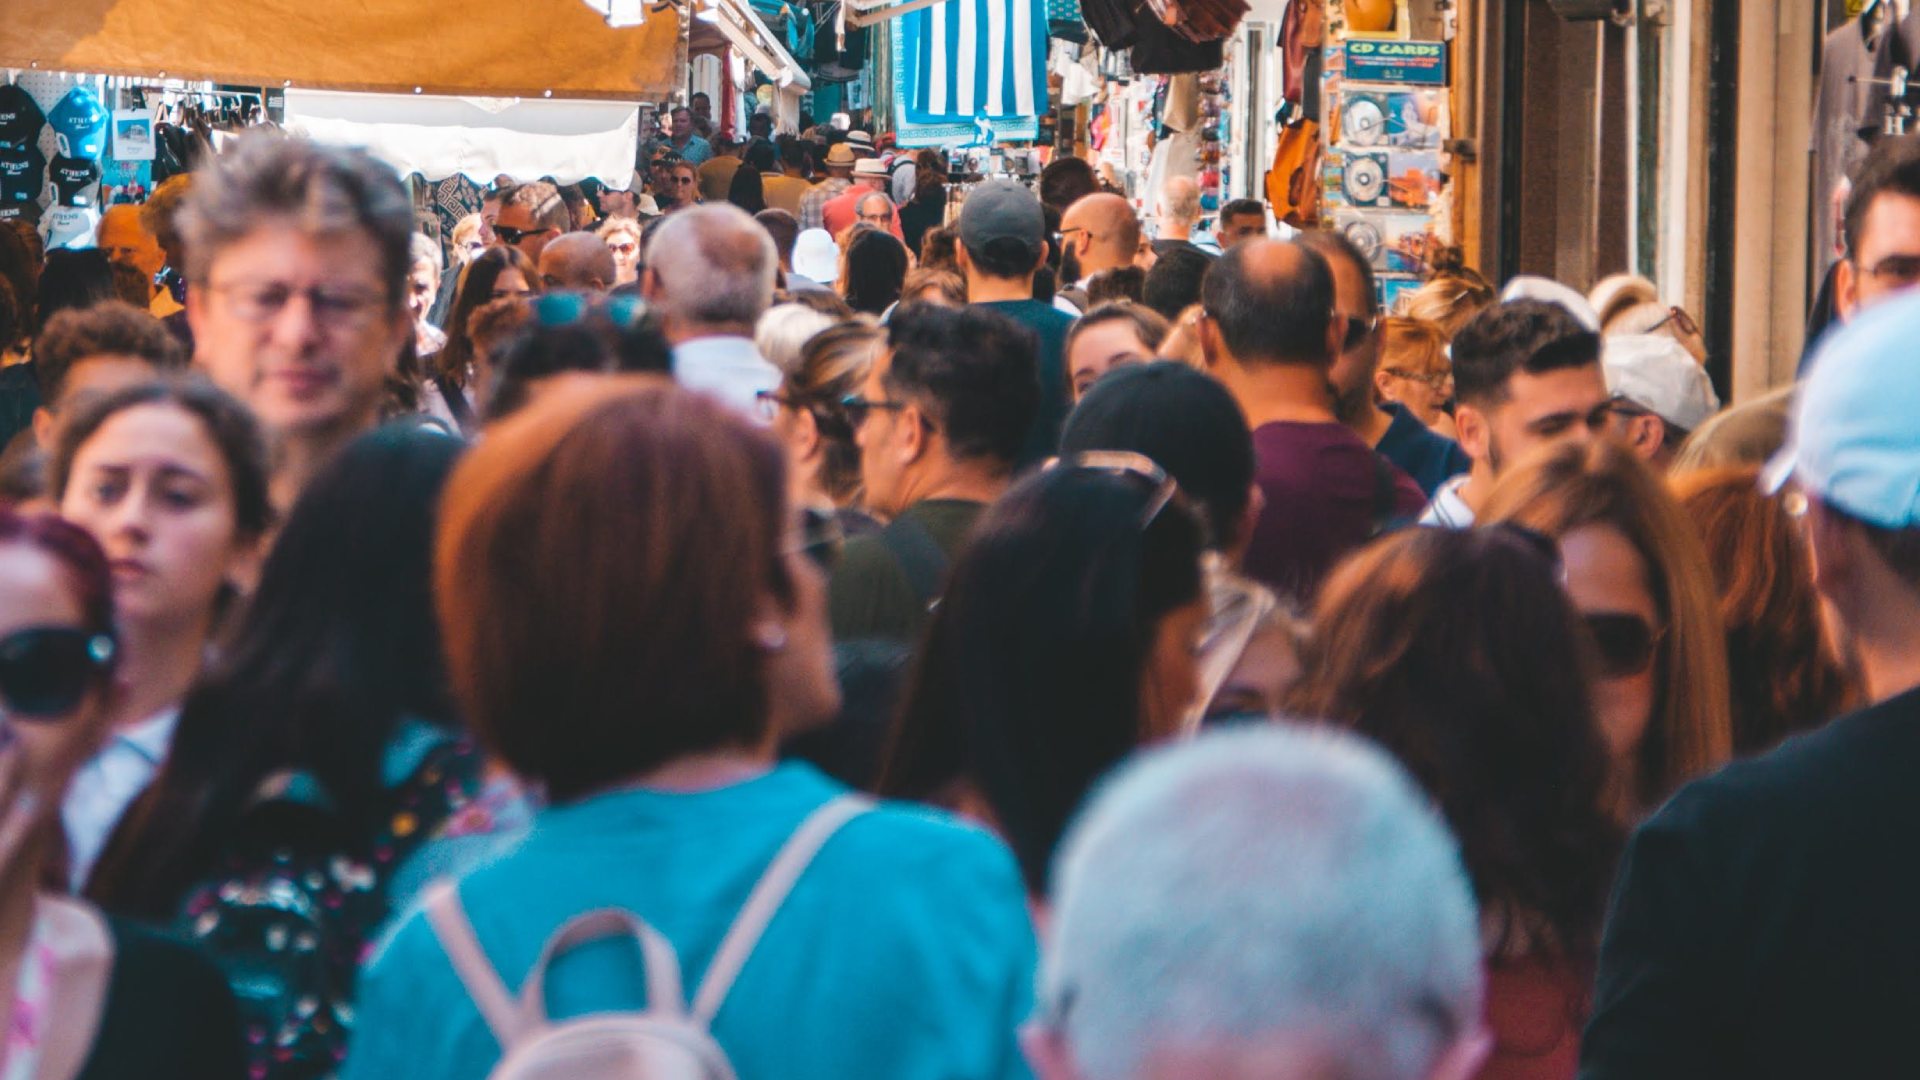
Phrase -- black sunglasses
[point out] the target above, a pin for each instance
(45, 671)
(1359, 329)
(858, 408)
(512, 235)
(1624, 643)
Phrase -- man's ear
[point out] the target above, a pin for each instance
(1336, 336)
(916, 433)
(1646, 435)
(1475, 432)
(1830, 555)
(1846, 290)
(43, 429)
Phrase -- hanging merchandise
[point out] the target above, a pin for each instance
(838, 53)
(80, 123)
(1160, 50)
(70, 227)
(1383, 173)
(914, 127)
(1857, 62)
(981, 58)
(1200, 20)
(20, 117)
(1302, 33)
(1066, 21)
(1293, 184)
(75, 181)
(23, 173)
(133, 135)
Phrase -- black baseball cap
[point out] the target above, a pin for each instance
(73, 180)
(23, 172)
(20, 117)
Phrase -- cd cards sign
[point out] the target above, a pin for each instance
(1410, 63)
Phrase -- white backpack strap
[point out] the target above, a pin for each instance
(662, 965)
(482, 982)
(765, 900)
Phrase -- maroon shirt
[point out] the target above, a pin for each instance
(1327, 494)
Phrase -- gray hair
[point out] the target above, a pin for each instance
(1180, 200)
(1264, 884)
(424, 250)
(785, 330)
(722, 267)
(268, 177)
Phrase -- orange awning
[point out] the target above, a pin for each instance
(503, 48)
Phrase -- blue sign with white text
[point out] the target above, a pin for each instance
(1409, 63)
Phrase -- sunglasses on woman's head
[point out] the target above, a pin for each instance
(1624, 643)
(46, 671)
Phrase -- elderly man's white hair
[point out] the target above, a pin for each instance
(714, 264)
(1255, 889)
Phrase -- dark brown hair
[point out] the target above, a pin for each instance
(602, 555)
(106, 329)
(476, 291)
(1458, 652)
(1785, 675)
(228, 424)
(1602, 483)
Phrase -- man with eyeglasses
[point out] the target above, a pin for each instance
(1660, 394)
(300, 315)
(1098, 232)
(1526, 376)
(1881, 229)
(940, 420)
(1271, 332)
(678, 187)
(1391, 429)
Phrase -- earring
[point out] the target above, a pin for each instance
(770, 638)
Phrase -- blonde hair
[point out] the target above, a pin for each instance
(1413, 345)
(1602, 483)
(1449, 301)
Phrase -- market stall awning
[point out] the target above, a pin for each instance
(720, 23)
(506, 48)
(479, 138)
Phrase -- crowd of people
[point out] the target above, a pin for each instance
(813, 633)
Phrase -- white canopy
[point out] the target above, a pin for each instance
(480, 138)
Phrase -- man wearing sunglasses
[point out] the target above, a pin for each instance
(1394, 432)
(1527, 376)
(940, 421)
(1270, 332)
(531, 216)
(1660, 394)
(1763, 921)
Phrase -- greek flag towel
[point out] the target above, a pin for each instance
(980, 58)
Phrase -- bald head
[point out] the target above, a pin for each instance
(1179, 208)
(578, 261)
(1103, 230)
(1272, 301)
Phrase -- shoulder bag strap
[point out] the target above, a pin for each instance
(82, 947)
(766, 898)
(477, 975)
(919, 557)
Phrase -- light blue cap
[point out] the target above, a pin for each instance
(1855, 439)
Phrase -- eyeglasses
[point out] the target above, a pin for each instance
(1681, 321)
(1437, 381)
(767, 403)
(860, 408)
(1896, 270)
(1624, 643)
(1125, 463)
(258, 303)
(512, 236)
(46, 671)
(1359, 329)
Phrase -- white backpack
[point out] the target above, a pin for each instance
(667, 1041)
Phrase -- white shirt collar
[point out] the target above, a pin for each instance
(1448, 510)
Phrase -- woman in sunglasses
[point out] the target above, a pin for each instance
(1068, 637)
(460, 378)
(171, 477)
(1459, 654)
(1636, 570)
(84, 995)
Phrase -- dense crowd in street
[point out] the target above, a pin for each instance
(772, 623)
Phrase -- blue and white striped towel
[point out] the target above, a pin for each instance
(981, 58)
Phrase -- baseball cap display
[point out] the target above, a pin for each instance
(1658, 374)
(81, 124)
(22, 174)
(20, 117)
(1853, 443)
(74, 181)
(69, 227)
(1002, 209)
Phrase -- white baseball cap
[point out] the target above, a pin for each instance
(1658, 374)
(816, 257)
(1530, 287)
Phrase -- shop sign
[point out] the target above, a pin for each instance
(1411, 63)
